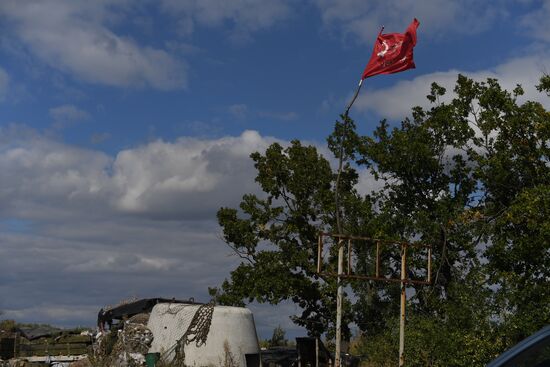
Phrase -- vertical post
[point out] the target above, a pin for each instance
(430, 264)
(339, 227)
(319, 252)
(339, 299)
(15, 354)
(316, 352)
(349, 256)
(378, 259)
(403, 301)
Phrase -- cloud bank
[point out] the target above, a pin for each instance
(81, 229)
(395, 102)
(77, 38)
(363, 19)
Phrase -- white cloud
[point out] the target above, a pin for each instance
(41, 173)
(189, 177)
(244, 16)
(79, 227)
(396, 101)
(125, 263)
(74, 37)
(536, 22)
(71, 239)
(68, 113)
(4, 80)
(363, 19)
(367, 184)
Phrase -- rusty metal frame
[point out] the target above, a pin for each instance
(403, 280)
(379, 243)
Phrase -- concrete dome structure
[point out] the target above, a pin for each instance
(231, 340)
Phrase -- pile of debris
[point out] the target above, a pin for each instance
(161, 332)
(125, 345)
(127, 340)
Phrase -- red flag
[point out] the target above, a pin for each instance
(392, 52)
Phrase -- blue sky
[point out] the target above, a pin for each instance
(125, 125)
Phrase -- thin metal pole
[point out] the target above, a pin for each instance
(403, 301)
(319, 252)
(340, 293)
(354, 97)
(341, 161)
(377, 259)
(429, 264)
(339, 299)
(349, 257)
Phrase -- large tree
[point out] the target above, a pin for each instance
(276, 234)
(470, 176)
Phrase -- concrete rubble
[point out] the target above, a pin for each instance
(124, 346)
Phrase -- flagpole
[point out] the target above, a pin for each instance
(381, 62)
(341, 157)
(340, 292)
(354, 97)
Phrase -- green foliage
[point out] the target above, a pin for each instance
(470, 176)
(544, 85)
(278, 338)
(276, 235)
